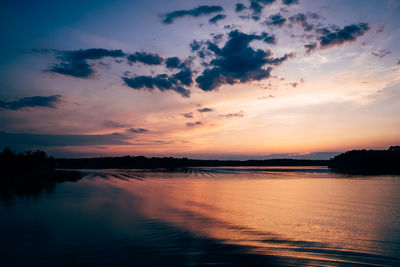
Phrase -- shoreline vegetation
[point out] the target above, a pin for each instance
(33, 172)
(367, 161)
(30, 173)
(141, 162)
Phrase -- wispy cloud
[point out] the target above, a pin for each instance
(339, 36)
(31, 102)
(170, 17)
(74, 63)
(216, 18)
(115, 124)
(202, 110)
(192, 124)
(138, 130)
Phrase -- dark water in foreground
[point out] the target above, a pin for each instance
(206, 216)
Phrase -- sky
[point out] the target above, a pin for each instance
(246, 79)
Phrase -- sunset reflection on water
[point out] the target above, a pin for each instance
(311, 214)
(197, 216)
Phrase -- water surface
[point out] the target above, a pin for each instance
(284, 216)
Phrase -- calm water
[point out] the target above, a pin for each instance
(200, 216)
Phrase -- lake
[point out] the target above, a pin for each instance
(245, 216)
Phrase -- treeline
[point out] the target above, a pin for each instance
(12, 163)
(368, 161)
(29, 173)
(140, 162)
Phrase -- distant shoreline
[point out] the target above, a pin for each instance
(352, 162)
(140, 162)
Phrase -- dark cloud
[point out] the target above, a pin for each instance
(115, 124)
(195, 45)
(276, 20)
(290, 2)
(192, 124)
(398, 62)
(40, 140)
(301, 19)
(188, 115)
(312, 15)
(268, 38)
(310, 48)
(339, 36)
(217, 38)
(381, 53)
(233, 115)
(184, 77)
(146, 58)
(294, 85)
(170, 17)
(257, 9)
(31, 102)
(237, 62)
(257, 6)
(74, 63)
(201, 48)
(137, 130)
(163, 82)
(173, 62)
(202, 110)
(216, 18)
(79, 69)
(239, 7)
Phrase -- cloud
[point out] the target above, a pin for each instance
(266, 97)
(115, 124)
(257, 6)
(192, 124)
(290, 2)
(138, 130)
(184, 77)
(339, 36)
(31, 102)
(170, 17)
(188, 115)
(232, 115)
(268, 38)
(301, 19)
(216, 18)
(146, 58)
(173, 62)
(163, 82)
(38, 140)
(239, 7)
(237, 62)
(310, 48)
(276, 20)
(202, 110)
(74, 63)
(257, 9)
(195, 45)
(381, 53)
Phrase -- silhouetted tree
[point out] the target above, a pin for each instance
(368, 161)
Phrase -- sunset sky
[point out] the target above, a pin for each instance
(201, 79)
